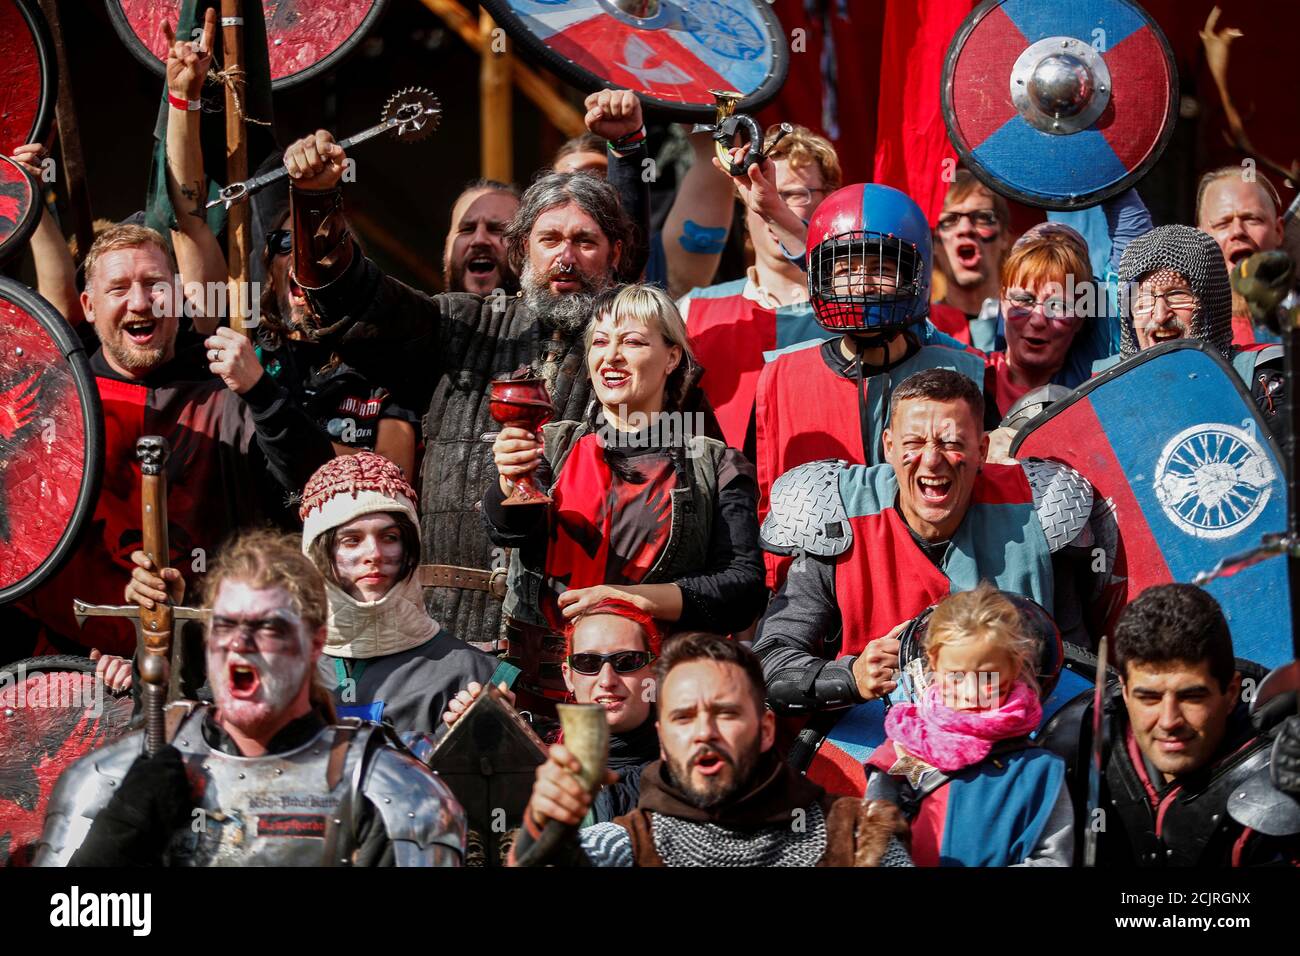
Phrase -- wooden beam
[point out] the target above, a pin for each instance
(238, 231)
(496, 117)
(74, 166)
(553, 106)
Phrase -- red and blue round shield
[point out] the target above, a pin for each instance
(304, 38)
(31, 85)
(51, 439)
(672, 53)
(1186, 474)
(1059, 105)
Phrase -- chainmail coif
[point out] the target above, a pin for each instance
(1198, 257)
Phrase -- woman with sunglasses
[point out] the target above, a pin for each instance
(646, 508)
(354, 412)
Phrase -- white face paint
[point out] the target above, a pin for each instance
(259, 657)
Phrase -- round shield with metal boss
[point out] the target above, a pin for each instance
(20, 207)
(1059, 106)
(31, 85)
(672, 53)
(51, 439)
(304, 38)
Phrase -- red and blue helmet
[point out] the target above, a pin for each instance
(868, 260)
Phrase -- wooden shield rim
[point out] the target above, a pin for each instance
(144, 55)
(1262, 433)
(1037, 200)
(40, 32)
(17, 239)
(589, 82)
(92, 423)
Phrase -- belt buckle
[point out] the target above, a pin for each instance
(497, 583)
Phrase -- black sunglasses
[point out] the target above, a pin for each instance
(624, 662)
(279, 242)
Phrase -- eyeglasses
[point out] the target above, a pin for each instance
(267, 632)
(624, 662)
(981, 219)
(1179, 300)
(279, 242)
(799, 198)
(1054, 307)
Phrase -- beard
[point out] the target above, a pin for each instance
(128, 355)
(720, 788)
(570, 312)
(455, 271)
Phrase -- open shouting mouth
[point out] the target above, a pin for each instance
(243, 679)
(969, 255)
(934, 490)
(140, 331)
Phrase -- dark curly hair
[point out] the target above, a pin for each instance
(1175, 622)
(596, 197)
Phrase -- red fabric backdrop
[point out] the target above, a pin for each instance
(889, 57)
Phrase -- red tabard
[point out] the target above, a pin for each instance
(729, 335)
(805, 413)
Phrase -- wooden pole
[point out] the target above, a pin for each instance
(74, 166)
(237, 224)
(495, 119)
(533, 85)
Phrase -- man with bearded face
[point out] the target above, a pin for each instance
(720, 794)
(568, 240)
(474, 257)
(228, 426)
(265, 775)
(1176, 286)
(876, 545)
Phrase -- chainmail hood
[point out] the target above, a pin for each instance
(1197, 256)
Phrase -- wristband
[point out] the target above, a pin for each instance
(624, 143)
(180, 103)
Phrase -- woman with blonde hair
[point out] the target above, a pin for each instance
(958, 760)
(646, 507)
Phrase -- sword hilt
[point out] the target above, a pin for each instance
(153, 693)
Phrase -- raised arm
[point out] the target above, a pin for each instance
(56, 275)
(198, 254)
(695, 231)
(615, 116)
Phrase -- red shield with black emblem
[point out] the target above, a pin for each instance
(31, 81)
(51, 439)
(20, 207)
(672, 53)
(53, 711)
(1059, 105)
(304, 38)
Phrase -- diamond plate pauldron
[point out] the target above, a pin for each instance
(807, 513)
(1063, 500)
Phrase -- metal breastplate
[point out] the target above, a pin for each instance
(1196, 829)
(259, 811)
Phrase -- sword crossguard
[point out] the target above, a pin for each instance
(81, 611)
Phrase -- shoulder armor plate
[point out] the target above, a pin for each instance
(807, 512)
(1062, 498)
(423, 819)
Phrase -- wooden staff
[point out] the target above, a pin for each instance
(237, 223)
(495, 118)
(156, 622)
(74, 167)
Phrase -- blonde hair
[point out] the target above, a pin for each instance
(983, 614)
(124, 236)
(803, 147)
(269, 559)
(652, 307)
(1237, 172)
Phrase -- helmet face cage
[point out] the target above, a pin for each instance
(865, 280)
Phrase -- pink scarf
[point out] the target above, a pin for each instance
(951, 739)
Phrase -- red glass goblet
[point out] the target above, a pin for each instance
(522, 403)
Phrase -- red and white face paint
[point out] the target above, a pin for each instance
(936, 449)
(259, 655)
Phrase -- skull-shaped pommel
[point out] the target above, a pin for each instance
(151, 451)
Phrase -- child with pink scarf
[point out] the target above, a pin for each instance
(959, 762)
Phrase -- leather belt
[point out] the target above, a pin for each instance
(465, 579)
